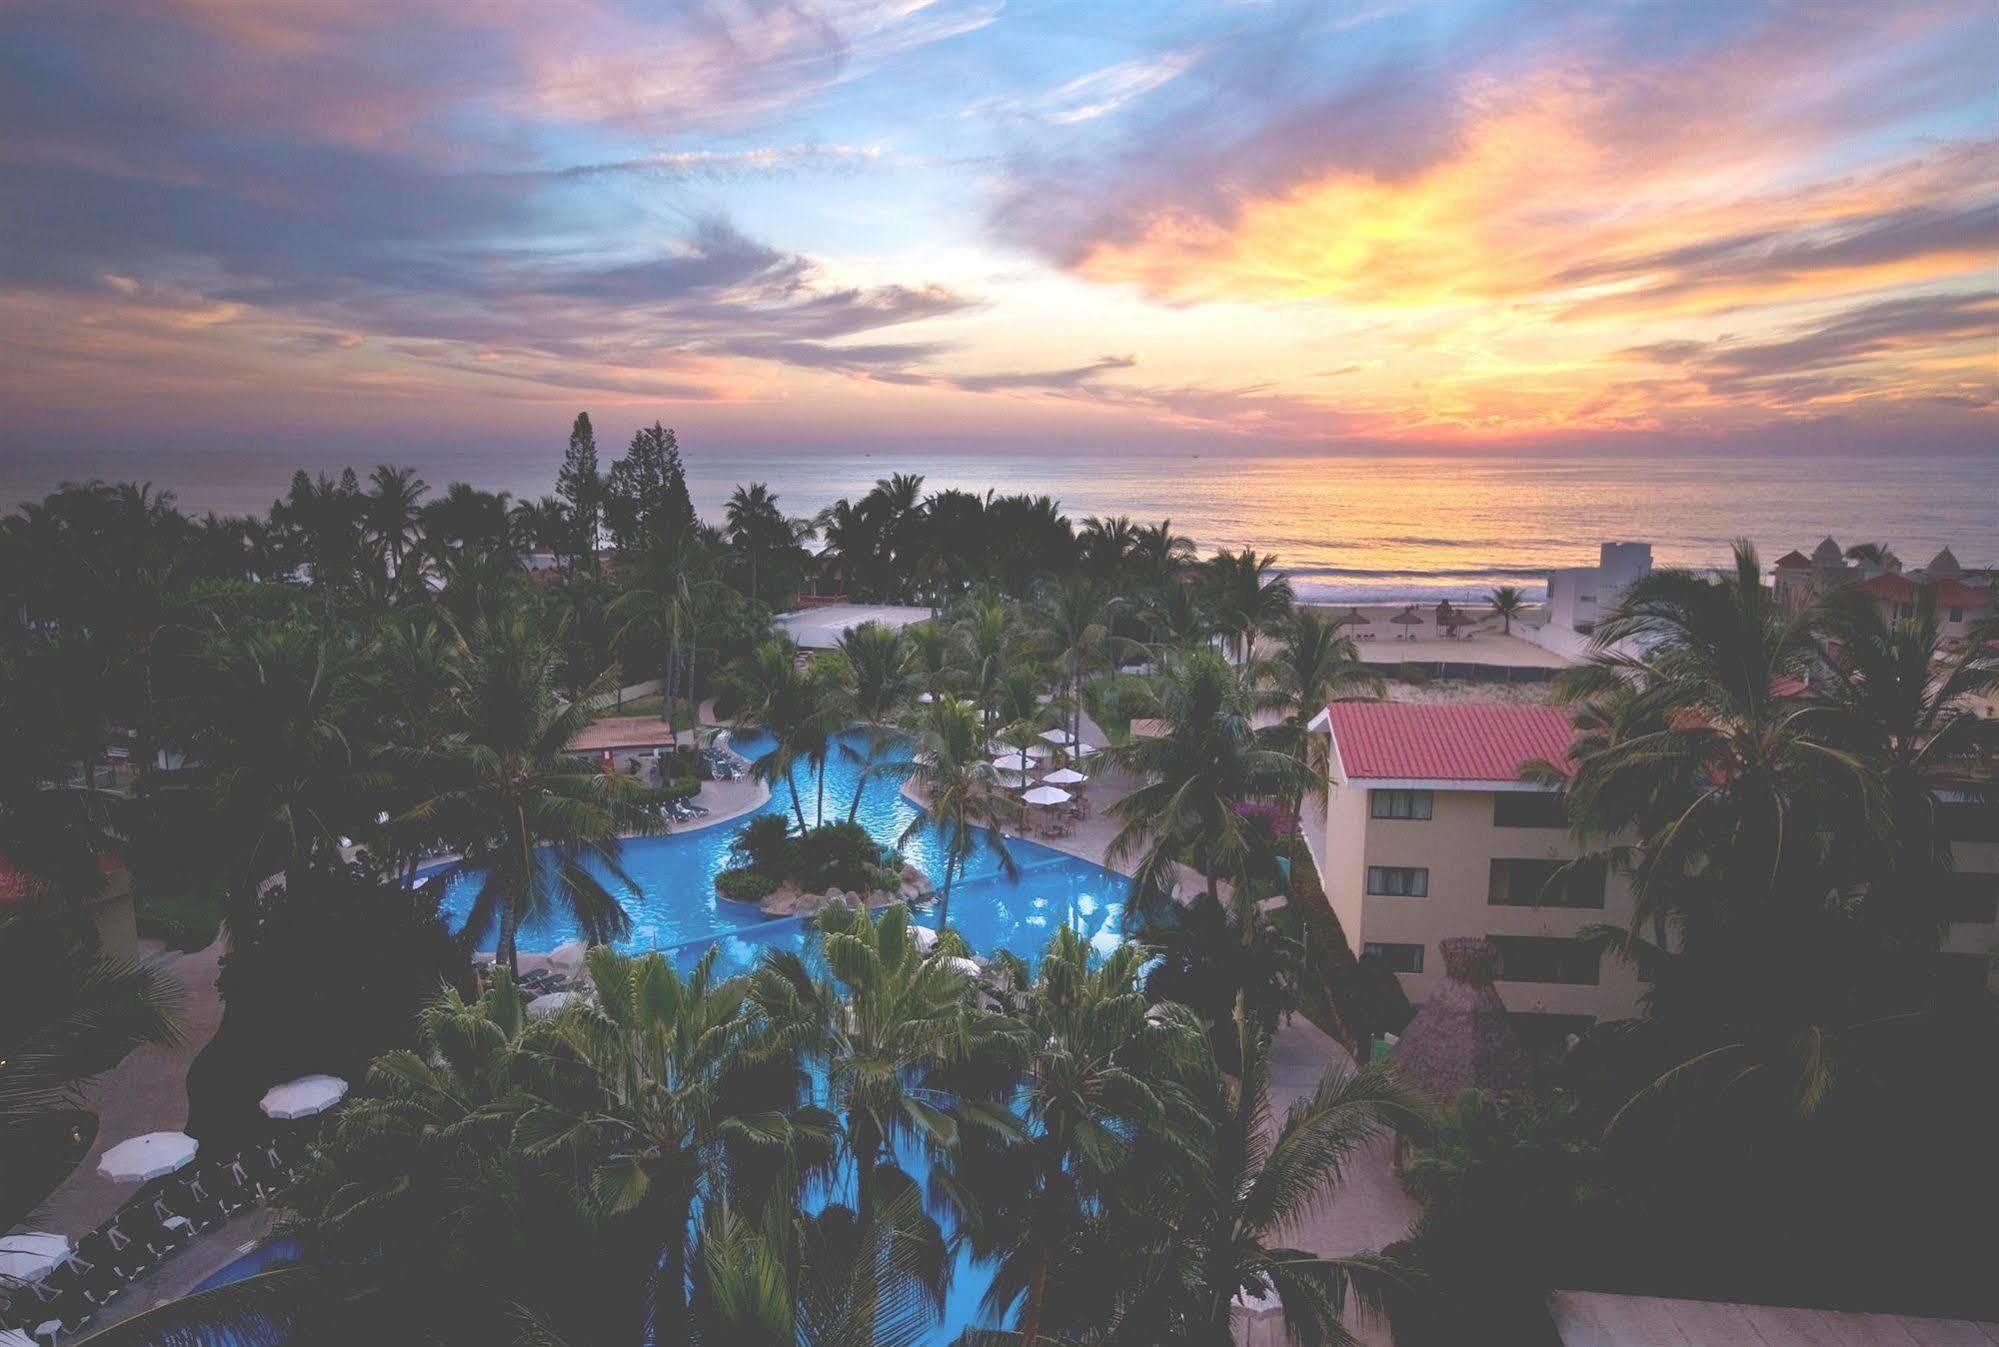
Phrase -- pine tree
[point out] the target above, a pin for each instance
(582, 486)
(646, 501)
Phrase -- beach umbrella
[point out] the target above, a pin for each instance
(303, 1097)
(28, 1255)
(553, 1003)
(1352, 617)
(1059, 738)
(147, 1157)
(1067, 776)
(1050, 795)
(1408, 617)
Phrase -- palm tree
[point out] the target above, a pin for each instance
(1210, 759)
(1317, 662)
(1043, 1185)
(985, 644)
(776, 695)
(881, 1028)
(962, 797)
(672, 597)
(1265, 1178)
(878, 678)
(1159, 555)
(1071, 629)
(391, 517)
(1507, 601)
(664, 1062)
(540, 829)
(1173, 617)
(1244, 593)
(760, 531)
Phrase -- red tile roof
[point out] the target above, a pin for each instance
(1892, 587)
(1409, 741)
(1957, 594)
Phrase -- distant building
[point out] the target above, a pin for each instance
(1580, 596)
(1963, 597)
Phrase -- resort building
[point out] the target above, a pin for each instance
(1431, 832)
(1579, 596)
(1963, 597)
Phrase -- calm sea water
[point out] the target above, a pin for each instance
(1346, 525)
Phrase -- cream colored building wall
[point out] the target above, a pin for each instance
(1340, 855)
(1458, 845)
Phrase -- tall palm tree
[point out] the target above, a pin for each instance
(394, 527)
(1507, 601)
(1210, 759)
(1159, 555)
(540, 829)
(986, 643)
(1316, 662)
(659, 1095)
(1070, 628)
(775, 695)
(1043, 1185)
(878, 680)
(673, 595)
(1265, 1177)
(1245, 593)
(962, 796)
(760, 531)
(882, 1027)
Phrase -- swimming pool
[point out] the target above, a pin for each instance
(677, 910)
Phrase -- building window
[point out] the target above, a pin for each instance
(1398, 881)
(1545, 883)
(1400, 803)
(1973, 898)
(1399, 958)
(1541, 958)
(1957, 614)
(1530, 809)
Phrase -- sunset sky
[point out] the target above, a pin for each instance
(973, 222)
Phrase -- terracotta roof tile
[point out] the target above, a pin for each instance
(1463, 742)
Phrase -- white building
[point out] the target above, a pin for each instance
(1579, 596)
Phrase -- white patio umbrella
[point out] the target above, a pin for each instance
(147, 1157)
(28, 1255)
(303, 1097)
(1015, 763)
(1030, 751)
(553, 1003)
(1059, 738)
(1050, 795)
(1065, 776)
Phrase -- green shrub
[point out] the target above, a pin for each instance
(682, 787)
(838, 856)
(764, 843)
(745, 885)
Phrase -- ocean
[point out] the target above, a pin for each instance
(1346, 526)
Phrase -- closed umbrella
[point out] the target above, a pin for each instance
(148, 1157)
(303, 1097)
(1048, 795)
(1066, 776)
(29, 1255)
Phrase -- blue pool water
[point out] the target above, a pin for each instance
(676, 908)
